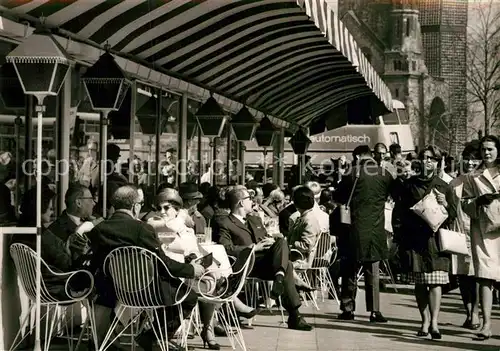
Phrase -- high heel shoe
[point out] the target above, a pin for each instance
(484, 335)
(249, 315)
(436, 335)
(212, 345)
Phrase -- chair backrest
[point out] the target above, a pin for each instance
(323, 251)
(134, 271)
(25, 262)
(232, 285)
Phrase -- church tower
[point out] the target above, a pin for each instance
(404, 67)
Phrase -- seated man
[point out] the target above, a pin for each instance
(312, 221)
(239, 231)
(79, 206)
(124, 229)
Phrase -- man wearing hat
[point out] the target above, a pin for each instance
(191, 197)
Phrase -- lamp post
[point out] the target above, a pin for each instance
(244, 126)
(106, 85)
(264, 135)
(300, 143)
(211, 119)
(41, 66)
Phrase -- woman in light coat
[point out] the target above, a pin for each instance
(482, 204)
(462, 265)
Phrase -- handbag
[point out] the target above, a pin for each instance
(453, 242)
(345, 210)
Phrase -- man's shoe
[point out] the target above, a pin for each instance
(278, 286)
(346, 316)
(377, 317)
(298, 323)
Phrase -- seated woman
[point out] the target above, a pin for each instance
(60, 256)
(172, 218)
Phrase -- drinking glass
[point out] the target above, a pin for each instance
(208, 235)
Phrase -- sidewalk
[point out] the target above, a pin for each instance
(330, 334)
(399, 334)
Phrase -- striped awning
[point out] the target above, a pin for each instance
(291, 59)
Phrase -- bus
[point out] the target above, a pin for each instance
(392, 128)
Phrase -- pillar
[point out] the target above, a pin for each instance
(182, 141)
(28, 142)
(241, 146)
(64, 142)
(159, 116)
(228, 154)
(131, 152)
(279, 158)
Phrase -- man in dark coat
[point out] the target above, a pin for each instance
(239, 231)
(79, 206)
(123, 229)
(367, 187)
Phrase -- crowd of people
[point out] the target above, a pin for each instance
(354, 209)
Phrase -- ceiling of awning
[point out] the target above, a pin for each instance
(291, 59)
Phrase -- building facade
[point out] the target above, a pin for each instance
(408, 43)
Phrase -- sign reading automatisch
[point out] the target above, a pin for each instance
(349, 138)
(344, 138)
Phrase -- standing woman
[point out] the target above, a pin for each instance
(419, 252)
(482, 189)
(462, 265)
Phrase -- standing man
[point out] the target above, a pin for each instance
(369, 185)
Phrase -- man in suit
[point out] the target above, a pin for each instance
(239, 231)
(124, 229)
(79, 206)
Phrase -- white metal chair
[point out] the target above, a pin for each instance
(224, 296)
(321, 257)
(25, 262)
(135, 274)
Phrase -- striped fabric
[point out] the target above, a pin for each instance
(292, 59)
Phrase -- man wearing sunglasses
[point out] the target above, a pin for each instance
(241, 230)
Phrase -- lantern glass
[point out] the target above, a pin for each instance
(39, 78)
(244, 132)
(106, 93)
(244, 125)
(264, 138)
(300, 143)
(211, 126)
(106, 84)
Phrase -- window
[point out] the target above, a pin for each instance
(396, 92)
(394, 137)
(408, 26)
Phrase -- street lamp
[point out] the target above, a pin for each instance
(300, 143)
(211, 119)
(264, 135)
(41, 65)
(106, 85)
(244, 126)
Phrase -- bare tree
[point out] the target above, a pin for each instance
(483, 62)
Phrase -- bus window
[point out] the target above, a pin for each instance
(394, 137)
(403, 116)
(391, 118)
